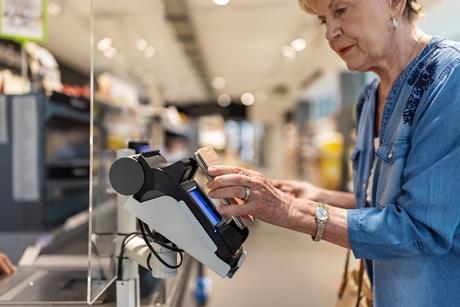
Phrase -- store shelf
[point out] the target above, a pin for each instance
(68, 184)
(106, 106)
(53, 109)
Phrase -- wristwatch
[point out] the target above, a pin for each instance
(322, 216)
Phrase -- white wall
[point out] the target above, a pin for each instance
(442, 19)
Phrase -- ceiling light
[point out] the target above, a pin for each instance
(54, 9)
(110, 53)
(141, 44)
(247, 99)
(224, 100)
(149, 52)
(221, 2)
(299, 44)
(218, 83)
(104, 44)
(288, 52)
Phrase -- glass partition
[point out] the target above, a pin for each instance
(124, 107)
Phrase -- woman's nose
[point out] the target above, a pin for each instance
(333, 30)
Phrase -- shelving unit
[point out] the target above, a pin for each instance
(62, 181)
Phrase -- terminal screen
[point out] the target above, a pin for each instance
(204, 205)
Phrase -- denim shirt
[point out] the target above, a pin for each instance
(410, 232)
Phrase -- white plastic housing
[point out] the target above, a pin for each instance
(176, 222)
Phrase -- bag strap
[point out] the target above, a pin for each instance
(360, 281)
(345, 279)
(345, 275)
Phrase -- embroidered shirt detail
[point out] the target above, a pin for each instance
(420, 79)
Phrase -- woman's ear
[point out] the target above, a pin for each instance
(397, 7)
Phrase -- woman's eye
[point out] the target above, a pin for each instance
(340, 11)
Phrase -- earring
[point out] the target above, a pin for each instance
(395, 22)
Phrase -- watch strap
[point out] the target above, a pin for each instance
(320, 226)
(319, 231)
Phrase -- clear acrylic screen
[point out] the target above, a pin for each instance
(127, 42)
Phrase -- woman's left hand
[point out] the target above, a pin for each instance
(263, 200)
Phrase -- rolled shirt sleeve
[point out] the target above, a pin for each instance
(425, 218)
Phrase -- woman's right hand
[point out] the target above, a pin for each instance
(298, 189)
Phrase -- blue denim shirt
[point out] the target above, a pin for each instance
(410, 232)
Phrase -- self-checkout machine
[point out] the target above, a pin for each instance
(174, 217)
(162, 215)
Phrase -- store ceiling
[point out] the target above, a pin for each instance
(241, 42)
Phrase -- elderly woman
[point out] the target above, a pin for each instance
(404, 214)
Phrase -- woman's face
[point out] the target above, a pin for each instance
(359, 31)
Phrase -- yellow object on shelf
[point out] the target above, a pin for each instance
(330, 147)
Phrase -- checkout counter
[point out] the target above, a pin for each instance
(167, 203)
(58, 275)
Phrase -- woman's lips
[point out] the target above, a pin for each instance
(344, 51)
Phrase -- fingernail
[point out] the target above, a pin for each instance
(211, 169)
(211, 194)
(219, 209)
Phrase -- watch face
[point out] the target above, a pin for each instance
(321, 214)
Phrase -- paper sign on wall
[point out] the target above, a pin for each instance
(3, 121)
(23, 19)
(25, 148)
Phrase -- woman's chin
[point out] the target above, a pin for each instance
(356, 65)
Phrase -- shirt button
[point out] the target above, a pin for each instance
(390, 155)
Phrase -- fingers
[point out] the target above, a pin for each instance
(276, 183)
(229, 180)
(8, 262)
(286, 188)
(229, 192)
(235, 210)
(219, 170)
(5, 265)
(248, 219)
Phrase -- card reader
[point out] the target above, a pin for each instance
(167, 198)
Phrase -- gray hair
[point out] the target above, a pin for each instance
(412, 11)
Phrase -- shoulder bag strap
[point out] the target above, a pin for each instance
(345, 276)
(360, 281)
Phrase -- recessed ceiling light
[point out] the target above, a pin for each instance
(141, 44)
(288, 52)
(221, 2)
(149, 52)
(224, 100)
(110, 53)
(218, 83)
(104, 44)
(54, 9)
(248, 99)
(299, 44)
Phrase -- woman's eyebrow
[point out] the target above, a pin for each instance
(331, 4)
